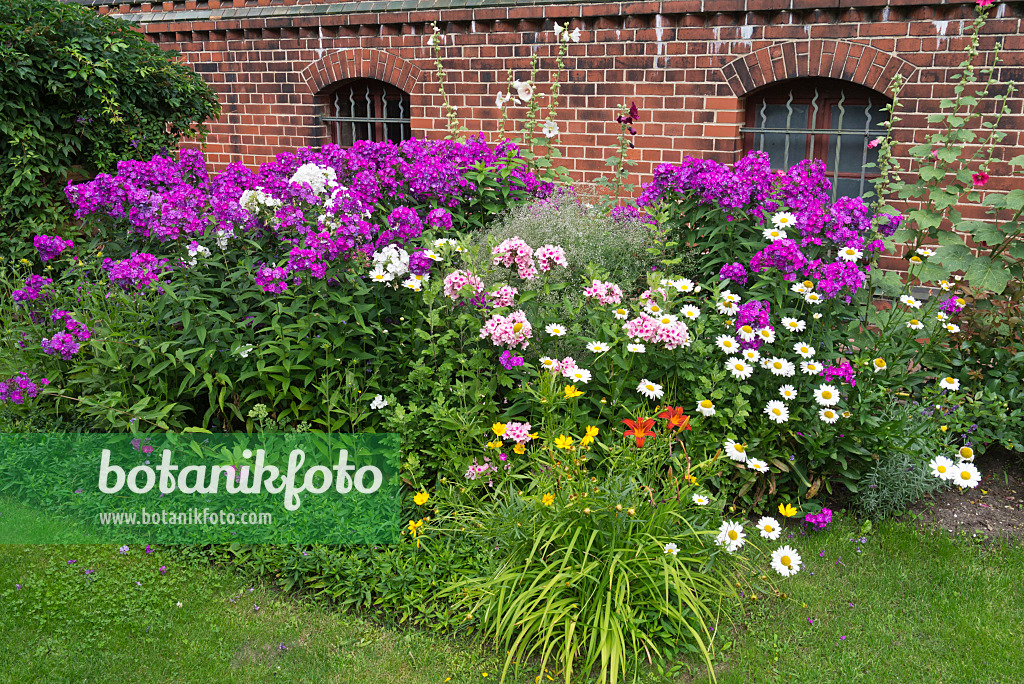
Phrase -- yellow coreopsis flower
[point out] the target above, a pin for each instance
(498, 428)
(787, 510)
(563, 442)
(943, 427)
(494, 445)
(519, 449)
(571, 392)
(548, 499)
(414, 528)
(589, 437)
(421, 498)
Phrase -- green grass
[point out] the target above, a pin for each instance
(913, 607)
(64, 625)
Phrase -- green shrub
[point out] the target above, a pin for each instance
(82, 91)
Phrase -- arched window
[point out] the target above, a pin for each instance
(365, 109)
(819, 118)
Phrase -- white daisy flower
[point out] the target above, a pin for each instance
(580, 375)
(769, 528)
(953, 328)
(941, 316)
(726, 308)
(773, 234)
(671, 548)
(910, 301)
(548, 362)
(925, 252)
(766, 335)
(941, 467)
(432, 255)
(683, 285)
(378, 402)
(786, 561)
(949, 383)
(781, 367)
(651, 390)
(827, 415)
(879, 364)
(965, 475)
(654, 309)
(794, 324)
(850, 254)
(555, 329)
(598, 347)
(731, 536)
(751, 355)
(667, 319)
(757, 464)
(412, 284)
(783, 219)
(621, 314)
(728, 296)
(816, 316)
(915, 324)
(706, 407)
(826, 395)
(803, 350)
(636, 348)
(735, 451)
(727, 344)
(787, 392)
(380, 275)
(800, 288)
(811, 367)
(700, 500)
(690, 311)
(739, 369)
(945, 285)
(965, 453)
(812, 298)
(747, 333)
(776, 411)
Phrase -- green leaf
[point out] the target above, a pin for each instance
(954, 257)
(988, 274)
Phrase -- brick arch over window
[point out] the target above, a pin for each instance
(360, 63)
(861, 64)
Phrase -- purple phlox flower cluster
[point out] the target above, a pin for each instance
(889, 224)
(272, 279)
(747, 183)
(953, 305)
(62, 344)
(19, 388)
(835, 277)
(51, 246)
(757, 314)
(508, 362)
(77, 329)
(35, 288)
(630, 214)
(139, 271)
(843, 371)
(420, 263)
(849, 221)
(734, 272)
(404, 224)
(440, 218)
(820, 520)
(803, 185)
(783, 255)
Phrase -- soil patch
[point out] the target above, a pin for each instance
(995, 508)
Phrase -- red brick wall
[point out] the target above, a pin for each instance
(687, 63)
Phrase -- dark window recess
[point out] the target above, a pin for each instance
(819, 119)
(367, 110)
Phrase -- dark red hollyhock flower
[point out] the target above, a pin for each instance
(980, 179)
(634, 113)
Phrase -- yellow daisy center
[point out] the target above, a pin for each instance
(733, 535)
(966, 452)
(706, 404)
(777, 365)
(808, 284)
(517, 327)
(768, 528)
(777, 412)
(829, 415)
(746, 329)
(950, 380)
(941, 468)
(740, 448)
(965, 475)
(785, 560)
(738, 366)
(650, 388)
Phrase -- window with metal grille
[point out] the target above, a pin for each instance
(367, 110)
(819, 118)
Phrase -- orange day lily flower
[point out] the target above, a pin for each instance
(640, 429)
(676, 419)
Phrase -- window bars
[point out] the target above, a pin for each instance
(368, 110)
(791, 128)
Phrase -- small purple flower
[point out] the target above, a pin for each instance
(124, 550)
(163, 569)
(71, 562)
(149, 549)
(18, 587)
(89, 571)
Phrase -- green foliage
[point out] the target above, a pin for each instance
(80, 92)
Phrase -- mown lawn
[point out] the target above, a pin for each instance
(908, 607)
